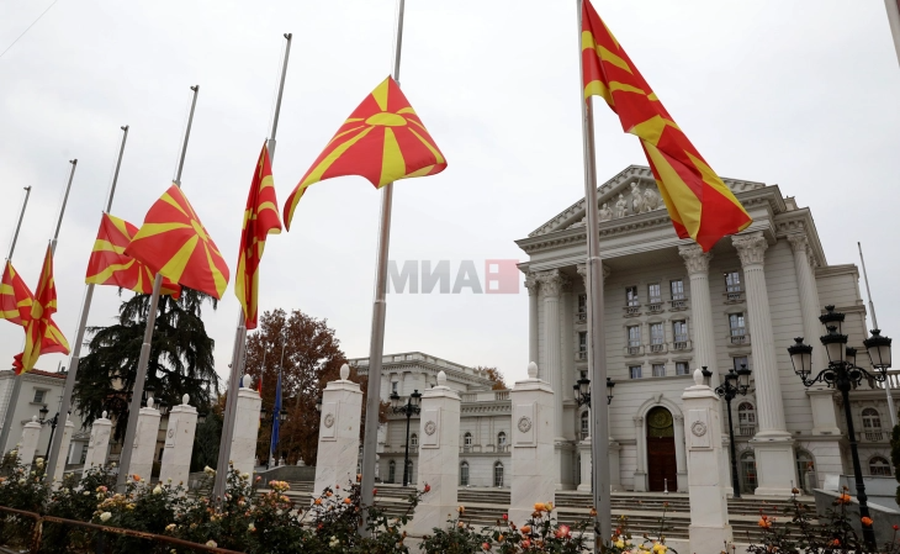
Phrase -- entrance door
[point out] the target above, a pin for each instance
(662, 472)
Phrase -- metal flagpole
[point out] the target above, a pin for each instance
(596, 352)
(239, 354)
(893, 11)
(17, 382)
(12, 246)
(135, 407)
(887, 383)
(66, 401)
(376, 348)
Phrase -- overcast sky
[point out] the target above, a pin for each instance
(800, 94)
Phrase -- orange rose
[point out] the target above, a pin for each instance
(867, 521)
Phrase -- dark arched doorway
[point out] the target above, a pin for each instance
(662, 472)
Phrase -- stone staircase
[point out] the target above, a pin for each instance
(643, 512)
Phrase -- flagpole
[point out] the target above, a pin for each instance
(887, 383)
(893, 12)
(17, 382)
(379, 308)
(66, 402)
(596, 342)
(239, 353)
(138, 390)
(12, 246)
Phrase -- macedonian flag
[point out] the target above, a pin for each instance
(110, 266)
(700, 204)
(173, 242)
(383, 140)
(260, 219)
(15, 297)
(42, 335)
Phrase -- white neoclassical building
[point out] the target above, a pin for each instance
(670, 308)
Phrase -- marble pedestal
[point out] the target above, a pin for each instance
(336, 461)
(145, 436)
(98, 445)
(179, 446)
(27, 447)
(60, 468)
(246, 428)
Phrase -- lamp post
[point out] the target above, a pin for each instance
(267, 419)
(411, 407)
(583, 391)
(52, 423)
(843, 374)
(736, 383)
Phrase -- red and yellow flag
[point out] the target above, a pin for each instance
(260, 219)
(701, 206)
(173, 242)
(383, 140)
(15, 297)
(42, 335)
(110, 266)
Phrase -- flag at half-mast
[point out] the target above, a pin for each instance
(174, 243)
(383, 140)
(700, 204)
(260, 219)
(42, 335)
(110, 266)
(15, 297)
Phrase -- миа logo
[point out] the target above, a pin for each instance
(422, 277)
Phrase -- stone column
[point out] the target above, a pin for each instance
(98, 444)
(246, 428)
(681, 470)
(697, 263)
(640, 472)
(31, 435)
(772, 444)
(709, 528)
(145, 437)
(67, 432)
(182, 428)
(586, 472)
(533, 479)
(533, 286)
(338, 434)
(438, 457)
(552, 283)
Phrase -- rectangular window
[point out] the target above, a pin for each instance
(659, 370)
(582, 345)
(582, 303)
(40, 396)
(740, 361)
(679, 331)
(631, 296)
(634, 371)
(736, 324)
(733, 281)
(657, 334)
(681, 368)
(654, 293)
(634, 336)
(394, 386)
(676, 286)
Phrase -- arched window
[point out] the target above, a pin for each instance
(467, 442)
(392, 471)
(464, 474)
(411, 480)
(879, 466)
(748, 472)
(585, 430)
(498, 474)
(746, 419)
(501, 441)
(414, 441)
(872, 424)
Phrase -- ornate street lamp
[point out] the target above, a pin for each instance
(583, 391)
(843, 374)
(736, 383)
(52, 423)
(408, 409)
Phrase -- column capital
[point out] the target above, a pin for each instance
(582, 270)
(532, 283)
(751, 248)
(552, 282)
(696, 260)
(800, 245)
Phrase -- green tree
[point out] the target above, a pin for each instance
(181, 358)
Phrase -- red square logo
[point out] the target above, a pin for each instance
(501, 276)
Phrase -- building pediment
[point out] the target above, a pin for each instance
(632, 192)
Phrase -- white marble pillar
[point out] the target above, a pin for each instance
(533, 286)
(704, 338)
(532, 479)
(67, 432)
(179, 446)
(31, 435)
(640, 471)
(709, 528)
(585, 471)
(438, 457)
(246, 428)
(338, 434)
(681, 470)
(552, 283)
(772, 444)
(145, 437)
(98, 444)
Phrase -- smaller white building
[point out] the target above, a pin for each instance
(40, 389)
